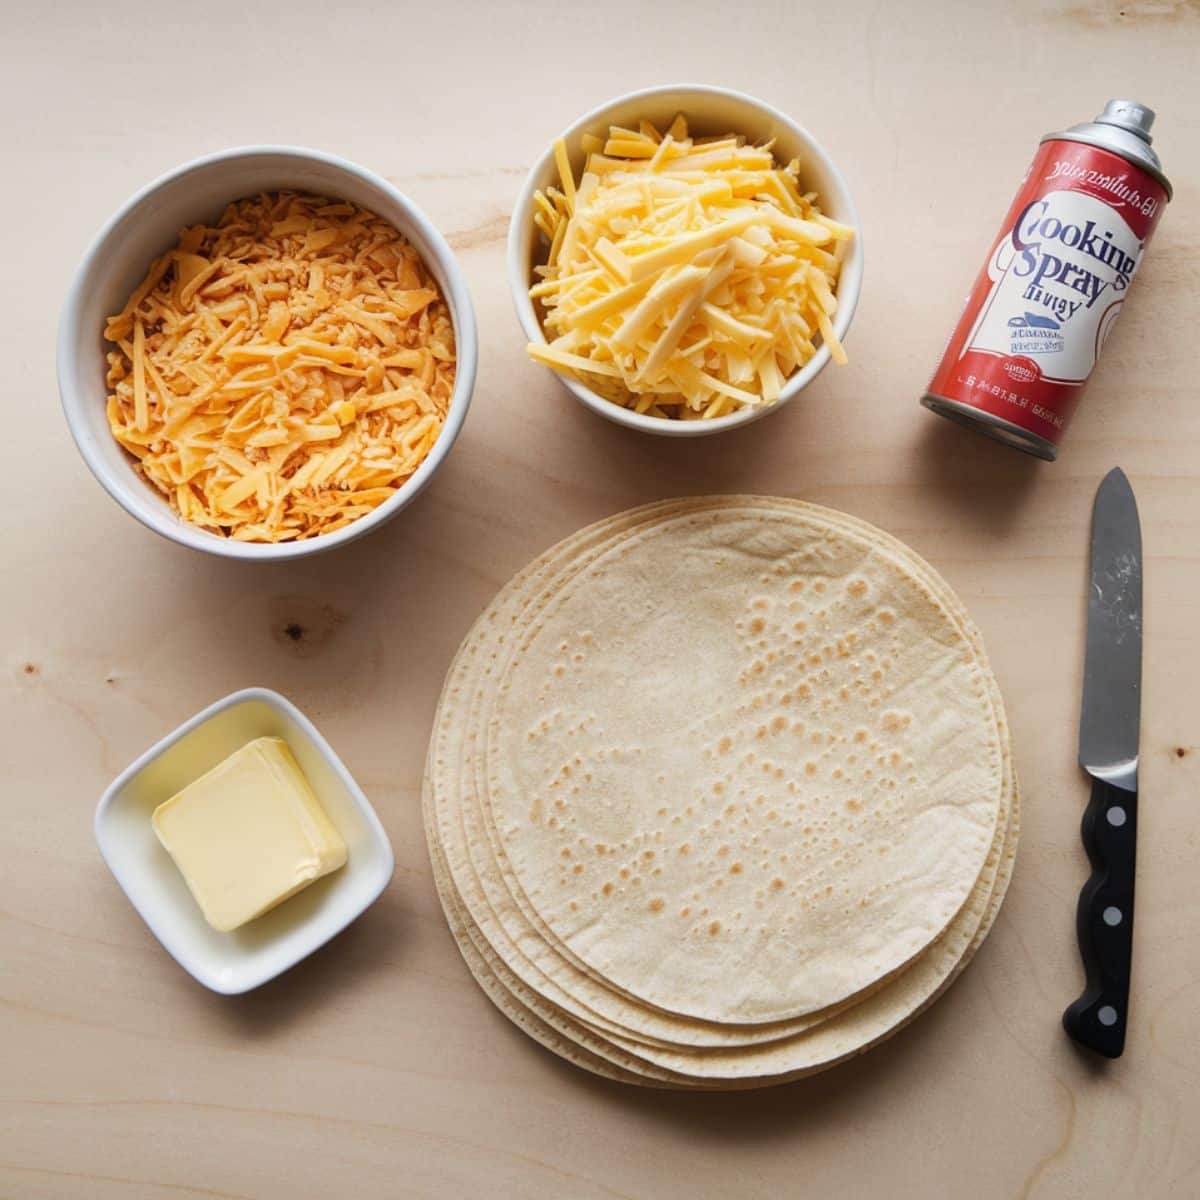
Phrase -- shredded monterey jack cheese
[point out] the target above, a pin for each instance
(684, 277)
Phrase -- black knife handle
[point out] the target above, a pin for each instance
(1104, 921)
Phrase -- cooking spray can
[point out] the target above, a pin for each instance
(1054, 282)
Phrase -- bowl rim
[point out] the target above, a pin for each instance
(849, 285)
(167, 524)
(197, 967)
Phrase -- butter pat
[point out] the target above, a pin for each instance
(248, 834)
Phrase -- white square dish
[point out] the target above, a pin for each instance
(236, 962)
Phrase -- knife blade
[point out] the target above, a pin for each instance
(1108, 751)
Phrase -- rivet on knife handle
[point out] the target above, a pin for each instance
(1104, 921)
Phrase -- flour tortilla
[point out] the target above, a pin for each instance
(448, 687)
(483, 890)
(495, 912)
(857, 1030)
(465, 946)
(827, 692)
(511, 1005)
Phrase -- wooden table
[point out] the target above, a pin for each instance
(377, 1068)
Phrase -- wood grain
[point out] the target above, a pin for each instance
(377, 1067)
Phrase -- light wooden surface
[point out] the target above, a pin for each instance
(377, 1068)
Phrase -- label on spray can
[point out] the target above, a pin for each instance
(1052, 288)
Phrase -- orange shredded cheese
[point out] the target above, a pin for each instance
(280, 374)
(684, 277)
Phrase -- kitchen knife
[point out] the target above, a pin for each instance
(1108, 752)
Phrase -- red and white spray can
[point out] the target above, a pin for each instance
(1054, 282)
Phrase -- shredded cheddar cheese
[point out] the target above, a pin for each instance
(282, 373)
(684, 277)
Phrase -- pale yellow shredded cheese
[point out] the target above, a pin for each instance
(684, 277)
(280, 374)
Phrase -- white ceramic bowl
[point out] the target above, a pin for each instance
(236, 962)
(147, 226)
(710, 111)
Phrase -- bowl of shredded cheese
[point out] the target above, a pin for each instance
(267, 353)
(686, 259)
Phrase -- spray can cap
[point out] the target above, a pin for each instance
(1128, 115)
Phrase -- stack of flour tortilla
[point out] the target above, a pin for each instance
(720, 793)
